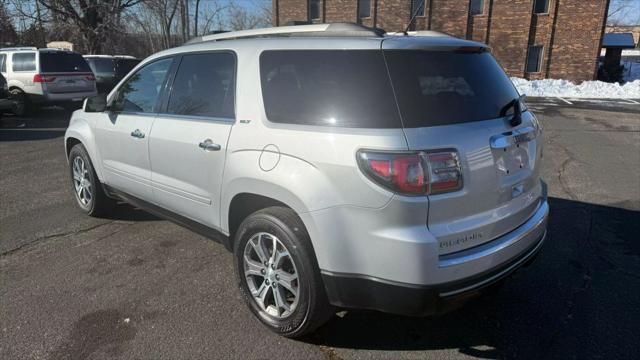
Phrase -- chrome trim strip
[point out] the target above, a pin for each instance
(534, 223)
(500, 274)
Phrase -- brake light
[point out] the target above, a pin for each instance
(38, 78)
(413, 173)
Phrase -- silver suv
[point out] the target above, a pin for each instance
(343, 166)
(46, 76)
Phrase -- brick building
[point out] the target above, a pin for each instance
(533, 39)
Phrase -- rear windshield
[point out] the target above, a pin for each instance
(125, 65)
(62, 62)
(328, 88)
(446, 87)
(102, 65)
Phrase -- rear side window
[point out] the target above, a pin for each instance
(102, 65)
(328, 88)
(140, 93)
(204, 86)
(62, 62)
(24, 62)
(447, 87)
(3, 63)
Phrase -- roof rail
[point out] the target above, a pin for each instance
(19, 48)
(332, 29)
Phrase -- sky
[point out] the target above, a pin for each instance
(631, 15)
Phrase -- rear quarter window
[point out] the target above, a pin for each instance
(448, 87)
(328, 88)
(23, 62)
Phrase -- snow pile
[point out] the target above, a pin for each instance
(588, 89)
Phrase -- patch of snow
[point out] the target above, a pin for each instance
(126, 320)
(566, 88)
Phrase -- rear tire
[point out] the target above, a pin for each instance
(283, 288)
(85, 184)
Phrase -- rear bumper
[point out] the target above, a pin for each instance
(483, 265)
(53, 98)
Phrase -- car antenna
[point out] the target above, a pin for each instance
(413, 17)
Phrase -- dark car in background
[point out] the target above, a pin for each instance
(6, 104)
(109, 70)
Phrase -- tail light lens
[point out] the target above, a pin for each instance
(38, 78)
(413, 173)
(90, 78)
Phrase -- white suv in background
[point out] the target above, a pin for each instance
(343, 166)
(46, 76)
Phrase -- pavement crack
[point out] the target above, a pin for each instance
(54, 236)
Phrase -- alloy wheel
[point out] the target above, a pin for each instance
(271, 275)
(82, 181)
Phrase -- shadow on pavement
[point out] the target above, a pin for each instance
(560, 306)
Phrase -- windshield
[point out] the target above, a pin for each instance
(62, 62)
(448, 87)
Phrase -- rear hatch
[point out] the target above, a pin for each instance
(105, 69)
(454, 95)
(65, 72)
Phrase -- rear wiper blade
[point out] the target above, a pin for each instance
(516, 104)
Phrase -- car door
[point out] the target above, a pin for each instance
(123, 133)
(188, 142)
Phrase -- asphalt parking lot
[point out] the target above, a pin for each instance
(133, 286)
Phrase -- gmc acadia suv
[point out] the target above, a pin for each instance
(342, 166)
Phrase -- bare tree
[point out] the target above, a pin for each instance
(95, 19)
(239, 17)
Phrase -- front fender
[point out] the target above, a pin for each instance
(80, 129)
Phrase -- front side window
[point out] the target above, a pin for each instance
(347, 88)
(417, 7)
(141, 92)
(364, 8)
(476, 7)
(204, 86)
(314, 9)
(541, 7)
(24, 62)
(534, 59)
(448, 87)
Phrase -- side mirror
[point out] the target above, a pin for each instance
(95, 104)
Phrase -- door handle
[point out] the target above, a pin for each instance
(209, 145)
(137, 134)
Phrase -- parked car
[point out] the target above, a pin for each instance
(109, 70)
(342, 166)
(6, 104)
(46, 77)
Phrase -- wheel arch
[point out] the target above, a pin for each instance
(79, 132)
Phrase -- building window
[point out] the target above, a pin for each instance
(417, 7)
(534, 59)
(476, 7)
(314, 9)
(364, 8)
(541, 7)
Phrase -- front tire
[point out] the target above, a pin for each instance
(22, 104)
(278, 274)
(85, 184)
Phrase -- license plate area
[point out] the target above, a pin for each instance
(512, 151)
